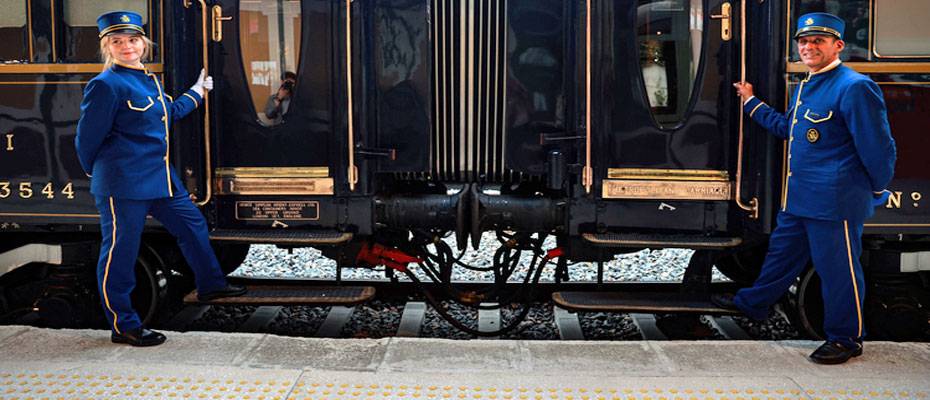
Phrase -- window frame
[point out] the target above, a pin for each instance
(57, 66)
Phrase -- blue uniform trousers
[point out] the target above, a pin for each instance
(834, 247)
(121, 224)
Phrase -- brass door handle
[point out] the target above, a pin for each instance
(218, 19)
(726, 31)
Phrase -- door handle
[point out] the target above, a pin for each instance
(726, 21)
(218, 19)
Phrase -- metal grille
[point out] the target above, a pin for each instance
(469, 89)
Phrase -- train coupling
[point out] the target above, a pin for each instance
(374, 254)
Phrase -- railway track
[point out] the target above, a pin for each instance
(416, 318)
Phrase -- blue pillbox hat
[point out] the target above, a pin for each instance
(819, 23)
(119, 22)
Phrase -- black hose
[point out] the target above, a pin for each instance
(516, 321)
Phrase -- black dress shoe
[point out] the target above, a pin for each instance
(835, 353)
(140, 337)
(724, 301)
(228, 291)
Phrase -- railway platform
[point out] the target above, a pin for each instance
(83, 364)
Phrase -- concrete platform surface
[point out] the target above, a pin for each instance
(83, 364)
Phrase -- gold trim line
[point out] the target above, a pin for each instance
(84, 68)
(273, 172)
(164, 118)
(106, 268)
(49, 215)
(870, 67)
(668, 174)
(852, 275)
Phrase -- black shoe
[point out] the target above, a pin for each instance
(835, 353)
(228, 291)
(724, 301)
(139, 337)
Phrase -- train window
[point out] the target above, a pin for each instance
(270, 40)
(901, 30)
(79, 26)
(669, 34)
(854, 12)
(13, 31)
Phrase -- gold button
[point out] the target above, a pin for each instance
(792, 139)
(800, 102)
(794, 122)
(789, 173)
(159, 97)
(165, 158)
(164, 117)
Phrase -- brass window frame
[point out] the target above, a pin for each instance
(873, 11)
(81, 67)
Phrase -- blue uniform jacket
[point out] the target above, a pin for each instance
(840, 149)
(123, 135)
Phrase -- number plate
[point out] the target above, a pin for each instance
(278, 210)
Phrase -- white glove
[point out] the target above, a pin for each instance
(204, 83)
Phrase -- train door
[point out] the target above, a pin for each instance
(272, 114)
(670, 130)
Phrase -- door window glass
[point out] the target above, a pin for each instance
(269, 34)
(669, 35)
(901, 28)
(856, 15)
(13, 32)
(79, 25)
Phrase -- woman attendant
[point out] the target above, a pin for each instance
(123, 144)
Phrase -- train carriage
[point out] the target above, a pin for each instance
(608, 124)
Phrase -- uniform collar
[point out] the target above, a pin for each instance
(117, 64)
(828, 68)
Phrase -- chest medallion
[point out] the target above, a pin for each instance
(813, 135)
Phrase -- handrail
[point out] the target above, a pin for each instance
(753, 206)
(352, 172)
(206, 108)
(587, 174)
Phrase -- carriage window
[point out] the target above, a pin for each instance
(856, 15)
(79, 25)
(901, 30)
(669, 34)
(13, 31)
(269, 34)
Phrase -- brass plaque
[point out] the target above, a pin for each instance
(274, 186)
(278, 210)
(668, 174)
(666, 190)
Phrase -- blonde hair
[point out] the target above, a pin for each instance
(109, 60)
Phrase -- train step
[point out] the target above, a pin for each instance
(626, 302)
(660, 241)
(281, 236)
(263, 295)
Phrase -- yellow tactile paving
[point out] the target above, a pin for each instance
(346, 391)
(22, 386)
(36, 386)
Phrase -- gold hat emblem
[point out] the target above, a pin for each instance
(809, 21)
(124, 18)
(813, 135)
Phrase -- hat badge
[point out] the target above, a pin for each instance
(124, 18)
(809, 21)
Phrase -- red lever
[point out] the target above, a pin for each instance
(376, 254)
